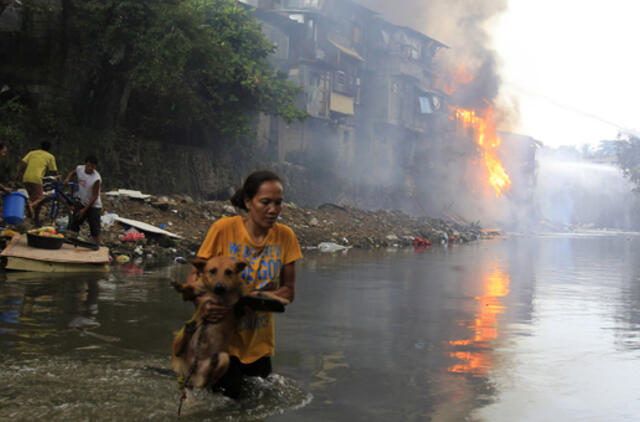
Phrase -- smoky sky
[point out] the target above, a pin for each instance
(464, 26)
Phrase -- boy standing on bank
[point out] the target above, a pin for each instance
(89, 182)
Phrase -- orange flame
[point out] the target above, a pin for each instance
(449, 81)
(483, 126)
(484, 133)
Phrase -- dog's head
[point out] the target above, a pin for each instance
(217, 277)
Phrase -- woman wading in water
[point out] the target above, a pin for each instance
(270, 249)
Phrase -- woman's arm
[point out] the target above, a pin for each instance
(287, 287)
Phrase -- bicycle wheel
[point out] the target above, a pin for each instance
(45, 216)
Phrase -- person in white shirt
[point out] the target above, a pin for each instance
(89, 182)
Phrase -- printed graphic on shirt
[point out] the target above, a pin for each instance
(265, 264)
(256, 322)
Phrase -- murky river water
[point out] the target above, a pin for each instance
(514, 329)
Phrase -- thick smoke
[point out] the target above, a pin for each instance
(557, 194)
(462, 25)
(444, 170)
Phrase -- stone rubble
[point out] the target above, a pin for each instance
(328, 225)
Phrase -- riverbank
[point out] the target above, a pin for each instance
(329, 227)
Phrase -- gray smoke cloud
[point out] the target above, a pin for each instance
(563, 194)
(444, 168)
(464, 26)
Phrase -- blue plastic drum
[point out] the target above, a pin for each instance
(13, 207)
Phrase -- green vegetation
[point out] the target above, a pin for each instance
(184, 71)
(628, 159)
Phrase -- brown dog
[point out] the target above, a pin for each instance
(200, 349)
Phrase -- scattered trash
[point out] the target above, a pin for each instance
(131, 194)
(418, 241)
(331, 247)
(108, 219)
(122, 259)
(229, 209)
(140, 225)
(180, 260)
(341, 225)
(132, 236)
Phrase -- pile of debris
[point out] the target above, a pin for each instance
(138, 225)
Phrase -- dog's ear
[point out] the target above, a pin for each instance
(199, 263)
(240, 265)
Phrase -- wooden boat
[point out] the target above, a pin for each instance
(22, 257)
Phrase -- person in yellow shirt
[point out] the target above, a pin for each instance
(270, 249)
(31, 168)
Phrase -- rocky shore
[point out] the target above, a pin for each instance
(329, 227)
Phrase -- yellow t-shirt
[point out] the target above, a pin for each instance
(38, 162)
(229, 237)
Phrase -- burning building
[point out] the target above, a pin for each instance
(388, 127)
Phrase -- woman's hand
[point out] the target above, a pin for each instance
(211, 310)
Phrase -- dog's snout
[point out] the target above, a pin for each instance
(219, 289)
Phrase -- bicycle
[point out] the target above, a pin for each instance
(58, 209)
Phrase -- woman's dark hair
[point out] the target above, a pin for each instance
(91, 159)
(45, 145)
(251, 186)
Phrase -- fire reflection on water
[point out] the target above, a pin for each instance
(473, 353)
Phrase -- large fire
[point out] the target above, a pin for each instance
(482, 123)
